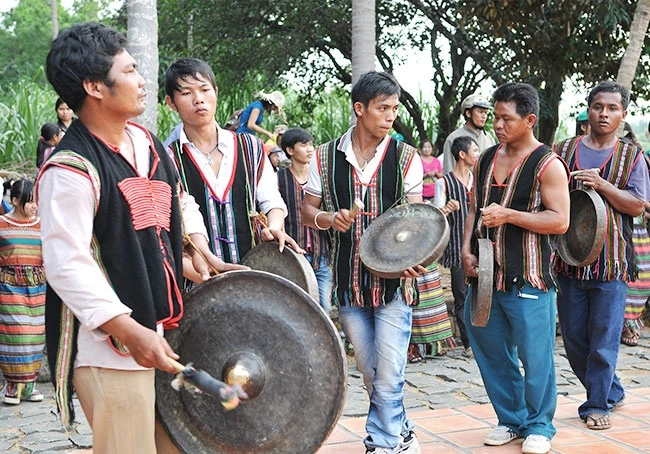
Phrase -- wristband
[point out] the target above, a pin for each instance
(316, 220)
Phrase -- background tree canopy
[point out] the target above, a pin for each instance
(304, 48)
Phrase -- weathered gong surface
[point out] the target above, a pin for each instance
(583, 241)
(402, 237)
(261, 326)
(288, 264)
(481, 301)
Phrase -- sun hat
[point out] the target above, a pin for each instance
(275, 97)
(474, 101)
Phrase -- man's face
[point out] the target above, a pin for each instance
(301, 153)
(195, 101)
(606, 113)
(478, 115)
(471, 155)
(377, 119)
(127, 95)
(509, 126)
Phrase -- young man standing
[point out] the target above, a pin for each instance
(228, 174)
(112, 243)
(591, 301)
(475, 112)
(520, 199)
(298, 144)
(367, 164)
(452, 195)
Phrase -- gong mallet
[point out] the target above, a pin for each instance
(199, 381)
(357, 206)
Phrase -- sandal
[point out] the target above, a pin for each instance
(598, 421)
(629, 337)
(413, 355)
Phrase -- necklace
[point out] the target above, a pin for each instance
(208, 155)
(366, 159)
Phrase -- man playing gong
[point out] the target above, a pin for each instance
(520, 199)
(591, 301)
(367, 164)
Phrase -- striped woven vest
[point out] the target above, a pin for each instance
(228, 221)
(455, 191)
(340, 187)
(521, 255)
(617, 259)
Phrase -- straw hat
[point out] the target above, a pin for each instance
(275, 97)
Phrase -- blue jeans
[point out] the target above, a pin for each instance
(380, 336)
(324, 279)
(591, 317)
(520, 328)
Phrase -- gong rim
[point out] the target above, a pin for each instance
(403, 237)
(289, 264)
(583, 241)
(481, 301)
(304, 392)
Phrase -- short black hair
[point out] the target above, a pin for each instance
(292, 136)
(83, 52)
(187, 68)
(523, 95)
(607, 86)
(23, 190)
(461, 143)
(373, 84)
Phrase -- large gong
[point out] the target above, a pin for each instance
(581, 244)
(403, 237)
(289, 264)
(262, 328)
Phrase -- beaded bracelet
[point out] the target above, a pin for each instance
(316, 220)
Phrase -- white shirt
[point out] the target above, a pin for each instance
(67, 210)
(412, 177)
(268, 195)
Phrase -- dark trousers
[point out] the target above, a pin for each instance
(459, 290)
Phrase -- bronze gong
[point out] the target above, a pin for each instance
(265, 333)
(481, 301)
(289, 264)
(403, 237)
(581, 244)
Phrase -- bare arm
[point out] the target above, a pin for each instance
(554, 219)
(255, 113)
(623, 201)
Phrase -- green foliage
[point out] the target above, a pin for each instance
(24, 107)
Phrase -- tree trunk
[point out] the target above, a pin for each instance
(632, 53)
(54, 7)
(142, 43)
(363, 37)
(549, 101)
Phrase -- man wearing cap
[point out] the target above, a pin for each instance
(582, 124)
(475, 111)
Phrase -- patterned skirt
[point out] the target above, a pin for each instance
(22, 322)
(638, 291)
(431, 324)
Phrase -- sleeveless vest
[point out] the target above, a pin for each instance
(456, 191)
(229, 223)
(136, 242)
(617, 259)
(341, 185)
(521, 255)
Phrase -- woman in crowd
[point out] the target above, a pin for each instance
(432, 169)
(50, 138)
(64, 115)
(22, 297)
(253, 116)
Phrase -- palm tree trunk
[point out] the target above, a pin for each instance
(632, 53)
(142, 43)
(363, 40)
(54, 7)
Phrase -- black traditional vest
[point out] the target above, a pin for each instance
(137, 242)
(228, 221)
(617, 258)
(456, 190)
(521, 255)
(341, 186)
